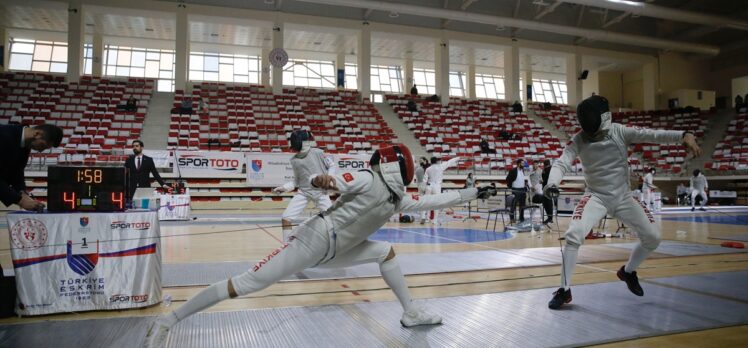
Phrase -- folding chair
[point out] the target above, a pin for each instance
(500, 209)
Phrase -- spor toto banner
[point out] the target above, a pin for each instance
(209, 164)
(78, 262)
(274, 169)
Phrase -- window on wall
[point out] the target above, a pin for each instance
(141, 62)
(549, 91)
(309, 73)
(351, 76)
(88, 59)
(37, 55)
(489, 86)
(457, 83)
(206, 66)
(386, 79)
(425, 80)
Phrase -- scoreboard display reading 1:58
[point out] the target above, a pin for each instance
(86, 188)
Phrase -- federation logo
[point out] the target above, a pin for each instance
(82, 263)
(169, 206)
(84, 221)
(256, 165)
(29, 234)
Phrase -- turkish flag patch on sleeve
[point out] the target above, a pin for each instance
(348, 177)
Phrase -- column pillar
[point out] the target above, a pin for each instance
(277, 71)
(573, 83)
(265, 67)
(511, 73)
(470, 93)
(649, 88)
(442, 70)
(75, 40)
(6, 48)
(182, 49)
(527, 78)
(364, 61)
(408, 71)
(97, 55)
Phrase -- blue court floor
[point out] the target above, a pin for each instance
(727, 219)
(437, 235)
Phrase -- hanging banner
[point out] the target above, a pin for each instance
(274, 169)
(209, 164)
(85, 261)
(161, 158)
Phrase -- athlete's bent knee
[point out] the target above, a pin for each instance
(390, 255)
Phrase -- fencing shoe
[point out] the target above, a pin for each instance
(156, 335)
(419, 316)
(560, 297)
(632, 281)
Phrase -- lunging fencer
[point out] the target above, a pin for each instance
(602, 147)
(307, 162)
(337, 237)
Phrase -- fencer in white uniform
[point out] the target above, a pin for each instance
(602, 147)
(434, 177)
(337, 237)
(307, 162)
(699, 186)
(423, 164)
(647, 187)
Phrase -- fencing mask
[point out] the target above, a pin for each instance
(594, 117)
(396, 166)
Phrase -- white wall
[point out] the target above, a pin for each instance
(739, 86)
(689, 97)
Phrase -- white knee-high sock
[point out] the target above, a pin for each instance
(571, 251)
(638, 255)
(204, 299)
(393, 276)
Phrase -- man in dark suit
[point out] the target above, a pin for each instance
(16, 142)
(140, 168)
(517, 182)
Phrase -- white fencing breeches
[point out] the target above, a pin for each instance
(695, 193)
(306, 249)
(590, 210)
(434, 189)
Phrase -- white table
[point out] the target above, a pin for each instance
(174, 207)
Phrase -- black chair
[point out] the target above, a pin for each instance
(506, 209)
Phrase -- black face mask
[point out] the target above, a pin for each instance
(589, 114)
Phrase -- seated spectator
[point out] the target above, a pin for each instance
(132, 104)
(412, 107)
(504, 135)
(434, 98)
(414, 90)
(517, 106)
(739, 102)
(484, 148)
(186, 107)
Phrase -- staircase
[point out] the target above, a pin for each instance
(156, 124)
(561, 135)
(404, 135)
(715, 131)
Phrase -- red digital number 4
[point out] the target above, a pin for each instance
(70, 199)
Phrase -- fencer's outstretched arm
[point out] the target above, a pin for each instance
(348, 182)
(562, 166)
(645, 135)
(437, 201)
(452, 162)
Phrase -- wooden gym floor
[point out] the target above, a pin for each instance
(193, 242)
